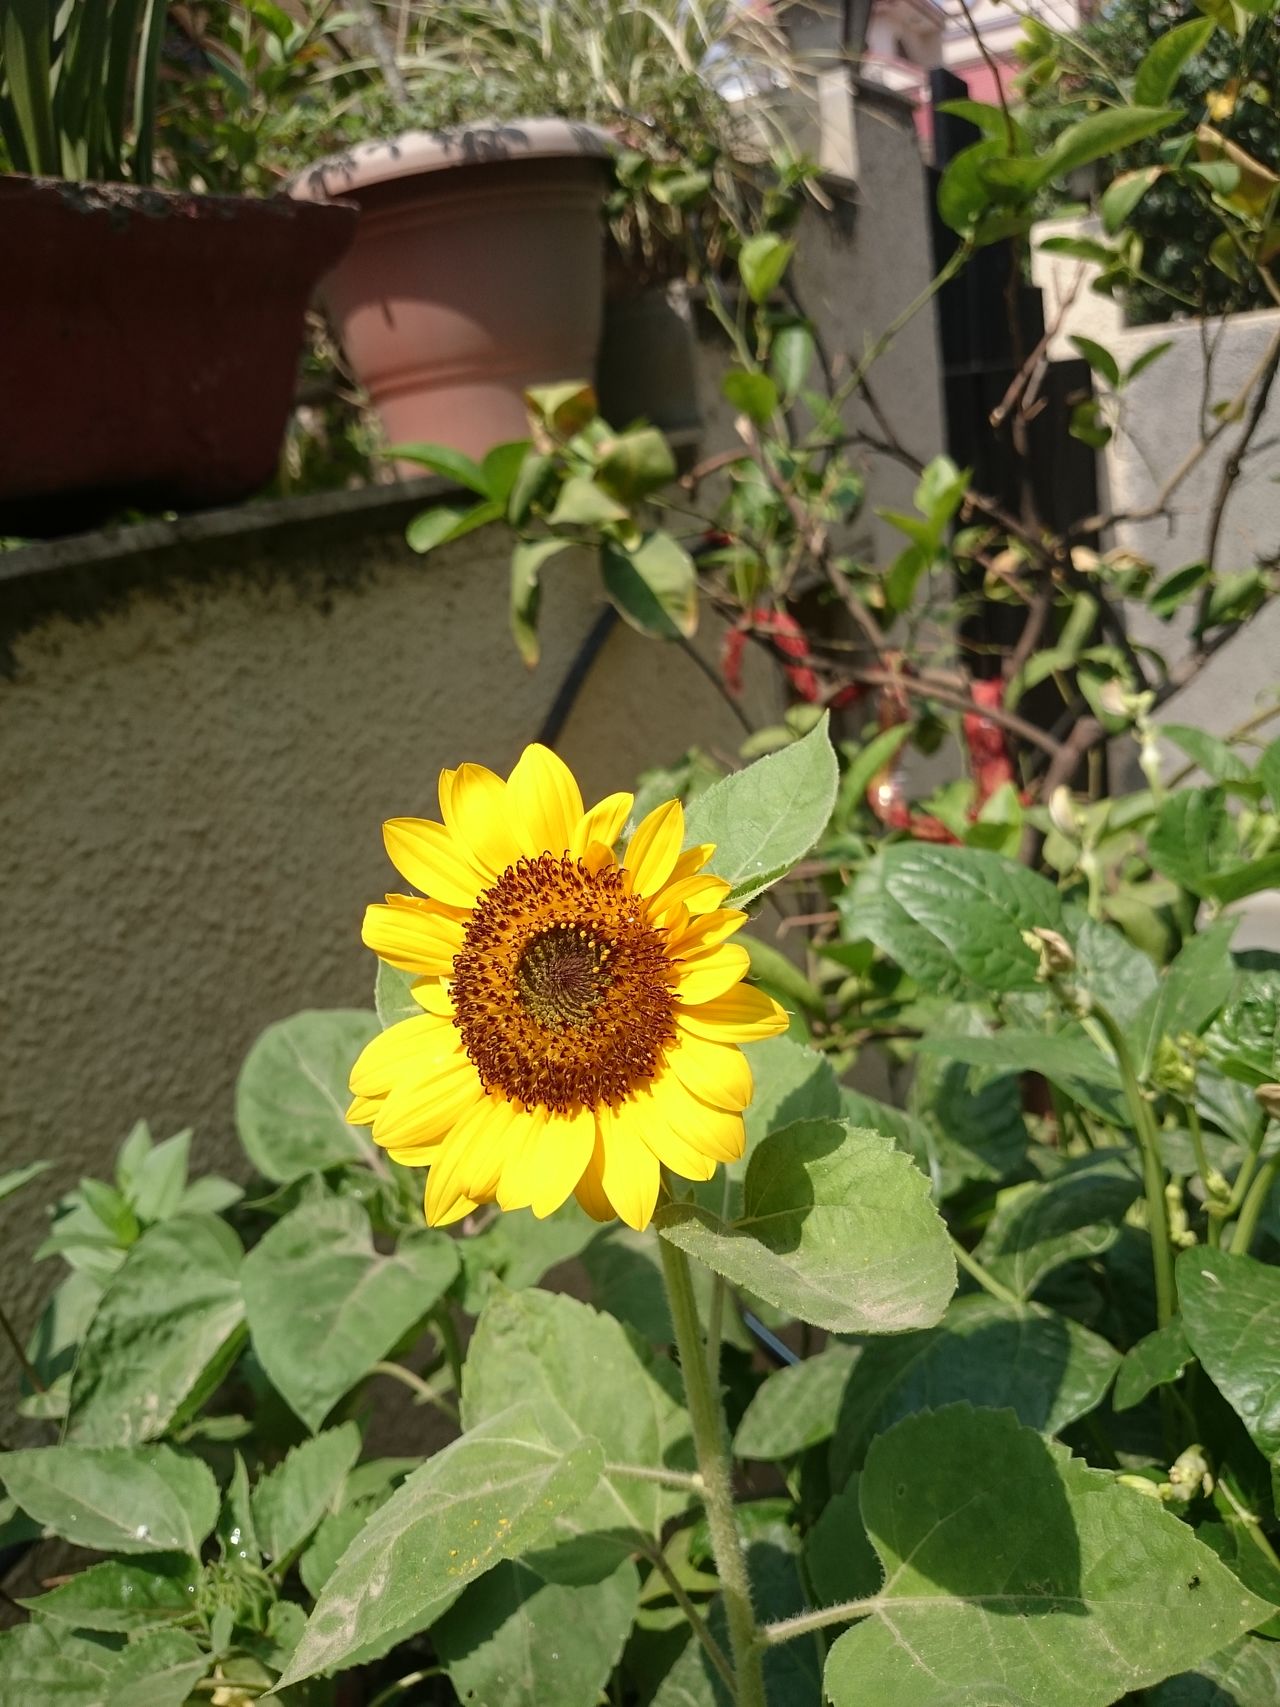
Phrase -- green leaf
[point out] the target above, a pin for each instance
(1231, 1312)
(654, 585)
(1123, 194)
(115, 1499)
(1244, 1040)
(119, 1595)
(1247, 1674)
(503, 467)
(47, 1664)
(781, 977)
(290, 1501)
(492, 1495)
(840, 1561)
(393, 995)
(157, 1184)
(1141, 363)
(636, 464)
(1068, 1059)
(867, 763)
(795, 1407)
(791, 356)
(754, 394)
(1212, 755)
(158, 1670)
(1112, 970)
(1268, 771)
(16, 1178)
(515, 1639)
(536, 474)
(584, 504)
(952, 917)
(527, 559)
(762, 262)
(165, 1333)
(766, 817)
(1192, 837)
(1176, 589)
(963, 192)
(1190, 992)
(1162, 64)
(1068, 1595)
(563, 409)
(292, 1097)
(1103, 133)
(791, 1083)
(1251, 878)
(1098, 357)
(837, 1229)
(586, 1377)
(1039, 1225)
(445, 522)
(1044, 1367)
(450, 464)
(1157, 1359)
(359, 1304)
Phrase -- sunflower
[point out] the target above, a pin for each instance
(581, 1013)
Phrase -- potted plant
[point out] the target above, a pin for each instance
(446, 341)
(157, 332)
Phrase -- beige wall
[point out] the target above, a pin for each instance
(203, 723)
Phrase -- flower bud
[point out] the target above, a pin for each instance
(1053, 951)
(1190, 1474)
(1142, 1484)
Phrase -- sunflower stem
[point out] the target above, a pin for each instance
(710, 1444)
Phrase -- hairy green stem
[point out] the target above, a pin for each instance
(681, 1479)
(985, 1279)
(787, 1629)
(1254, 1203)
(713, 1462)
(1153, 1177)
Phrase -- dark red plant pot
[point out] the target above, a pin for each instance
(150, 345)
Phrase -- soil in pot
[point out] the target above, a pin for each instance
(475, 273)
(151, 345)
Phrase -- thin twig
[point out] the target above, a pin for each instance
(714, 1652)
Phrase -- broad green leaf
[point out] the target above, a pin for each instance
(289, 1502)
(1123, 194)
(1069, 1594)
(236, 1535)
(1157, 1359)
(367, 1487)
(1247, 1674)
(527, 559)
(292, 1096)
(166, 1331)
(159, 1669)
(1231, 1312)
(762, 262)
(766, 817)
(1102, 133)
(782, 978)
(654, 585)
(516, 1639)
(636, 464)
(754, 394)
(1244, 1040)
(952, 917)
(1192, 838)
(965, 1123)
(157, 1184)
(1250, 878)
(1213, 755)
(791, 356)
(445, 523)
(392, 995)
(1190, 992)
(49, 1665)
(1098, 357)
(1112, 970)
(324, 1306)
(584, 504)
(836, 1229)
(791, 1083)
(518, 1251)
(963, 191)
(492, 1495)
(449, 464)
(1268, 769)
(565, 408)
(1067, 1058)
(796, 1407)
(503, 467)
(16, 1178)
(119, 1595)
(841, 1562)
(1162, 64)
(586, 1377)
(115, 1499)
(1042, 1366)
(1040, 1225)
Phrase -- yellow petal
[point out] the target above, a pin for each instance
(716, 1072)
(642, 1117)
(433, 994)
(471, 1157)
(546, 801)
(602, 824)
(516, 1185)
(421, 1112)
(363, 1111)
(654, 848)
(742, 1015)
(589, 1190)
(418, 1156)
(477, 810)
(458, 1210)
(705, 932)
(433, 860)
(413, 935)
(403, 1050)
(699, 894)
(692, 860)
(630, 1175)
(701, 977)
(563, 1151)
(715, 1131)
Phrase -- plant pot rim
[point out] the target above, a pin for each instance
(485, 143)
(107, 196)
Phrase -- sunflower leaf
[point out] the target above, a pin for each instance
(291, 1097)
(764, 818)
(115, 1499)
(837, 1229)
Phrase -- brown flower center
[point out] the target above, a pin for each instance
(562, 988)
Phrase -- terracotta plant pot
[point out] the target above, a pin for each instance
(151, 345)
(475, 273)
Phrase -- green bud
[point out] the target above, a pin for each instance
(1143, 1486)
